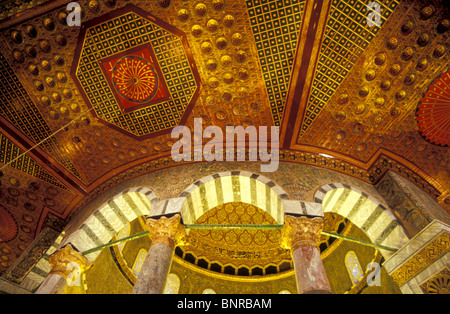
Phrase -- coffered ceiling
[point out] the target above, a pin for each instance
(82, 105)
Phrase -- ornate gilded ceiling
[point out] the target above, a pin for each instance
(78, 118)
(136, 72)
(373, 111)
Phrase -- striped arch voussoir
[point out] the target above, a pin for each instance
(112, 217)
(364, 211)
(232, 186)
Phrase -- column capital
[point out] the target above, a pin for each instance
(66, 259)
(298, 231)
(167, 231)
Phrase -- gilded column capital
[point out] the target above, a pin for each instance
(168, 231)
(298, 231)
(67, 260)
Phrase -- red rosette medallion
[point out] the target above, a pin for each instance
(433, 112)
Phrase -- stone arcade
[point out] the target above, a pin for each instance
(93, 202)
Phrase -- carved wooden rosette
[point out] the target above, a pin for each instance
(167, 231)
(298, 231)
(66, 260)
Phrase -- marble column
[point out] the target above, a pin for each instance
(68, 266)
(165, 233)
(301, 235)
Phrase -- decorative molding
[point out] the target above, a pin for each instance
(438, 284)
(422, 259)
(36, 251)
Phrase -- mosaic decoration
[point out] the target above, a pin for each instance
(433, 112)
(172, 284)
(125, 232)
(346, 37)
(32, 260)
(275, 26)
(142, 102)
(136, 79)
(438, 284)
(434, 250)
(248, 251)
(372, 218)
(353, 267)
(139, 262)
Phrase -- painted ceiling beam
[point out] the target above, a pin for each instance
(314, 22)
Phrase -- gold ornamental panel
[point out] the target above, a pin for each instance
(136, 71)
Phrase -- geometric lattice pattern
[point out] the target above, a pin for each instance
(18, 108)
(117, 37)
(275, 26)
(9, 152)
(346, 37)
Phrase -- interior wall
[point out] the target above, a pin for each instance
(410, 205)
(299, 181)
(112, 272)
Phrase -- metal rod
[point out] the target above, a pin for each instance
(264, 227)
(45, 139)
(233, 226)
(377, 246)
(126, 239)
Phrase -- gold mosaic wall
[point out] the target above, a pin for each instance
(112, 272)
